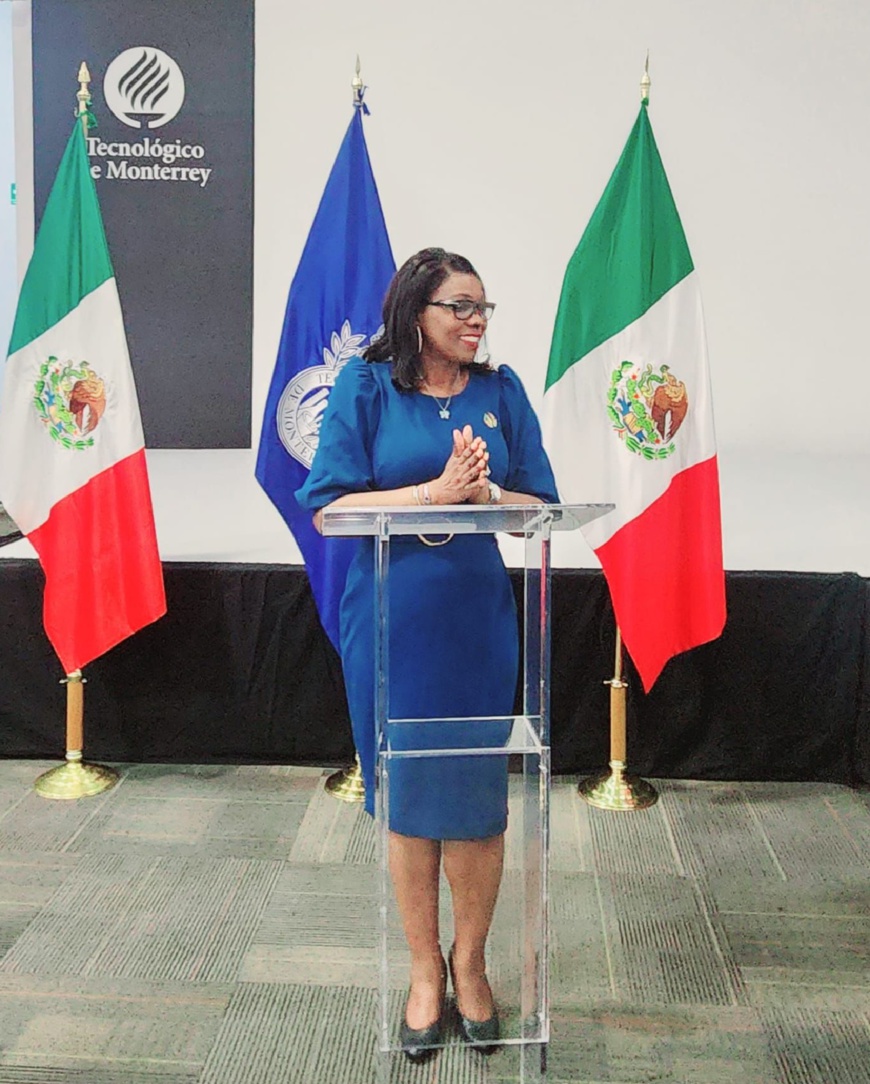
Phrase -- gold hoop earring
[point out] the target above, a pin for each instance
(419, 340)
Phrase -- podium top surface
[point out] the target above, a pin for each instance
(383, 521)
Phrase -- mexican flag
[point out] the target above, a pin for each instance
(628, 413)
(72, 451)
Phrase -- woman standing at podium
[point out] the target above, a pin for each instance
(420, 420)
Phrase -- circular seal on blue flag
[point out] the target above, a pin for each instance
(303, 401)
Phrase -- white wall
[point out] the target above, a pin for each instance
(494, 127)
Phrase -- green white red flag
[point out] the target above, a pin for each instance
(72, 452)
(628, 414)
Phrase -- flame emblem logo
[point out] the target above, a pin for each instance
(144, 87)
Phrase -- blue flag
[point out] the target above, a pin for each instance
(333, 309)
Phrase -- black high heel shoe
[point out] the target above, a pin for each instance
(480, 1034)
(418, 1044)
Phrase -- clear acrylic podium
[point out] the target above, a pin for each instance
(517, 952)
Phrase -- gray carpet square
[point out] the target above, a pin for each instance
(633, 842)
(581, 963)
(794, 988)
(333, 1029)
(571, 843)
(241, 828)
(232, 782)
(36, 824)
(108, 1030)
(184, 919)
(30, 880)
(818, 834)
(328, 826)
(16, 781)
(804, 942)
(14, 920)
(678, 1045)
(832, 898)
(716, 833)
(318, 927)
(322, 905)
(814, 1046)
(663, 946)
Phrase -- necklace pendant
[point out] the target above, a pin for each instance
(444, 412)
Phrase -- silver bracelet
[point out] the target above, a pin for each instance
(428, 541)
(427, 500)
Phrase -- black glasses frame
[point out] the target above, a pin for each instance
(485, 308)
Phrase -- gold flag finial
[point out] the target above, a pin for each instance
(83, 97)
(357, 85)
(645, 81)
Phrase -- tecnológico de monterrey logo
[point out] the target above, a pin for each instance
(144, 87)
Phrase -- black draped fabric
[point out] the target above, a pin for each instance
(862, 728)
(240, 670)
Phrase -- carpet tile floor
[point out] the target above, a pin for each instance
(217, 925)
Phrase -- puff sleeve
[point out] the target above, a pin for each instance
(343, 460)
(529, 469)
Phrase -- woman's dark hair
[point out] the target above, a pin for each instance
(413, 285)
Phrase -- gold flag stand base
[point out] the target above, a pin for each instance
(347, 785)
(615, 790)
(75, 780)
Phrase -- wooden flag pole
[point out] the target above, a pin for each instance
(347, 785)
(75, 779)
(613, 789)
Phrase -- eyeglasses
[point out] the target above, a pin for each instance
(462, 310)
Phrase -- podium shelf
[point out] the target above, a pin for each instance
(507, 734)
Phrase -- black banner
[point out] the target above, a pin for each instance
(173, 93)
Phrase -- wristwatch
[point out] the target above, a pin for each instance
(494, 493)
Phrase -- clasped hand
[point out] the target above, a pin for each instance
(465, 472)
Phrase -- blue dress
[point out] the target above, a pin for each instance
(454, 640)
